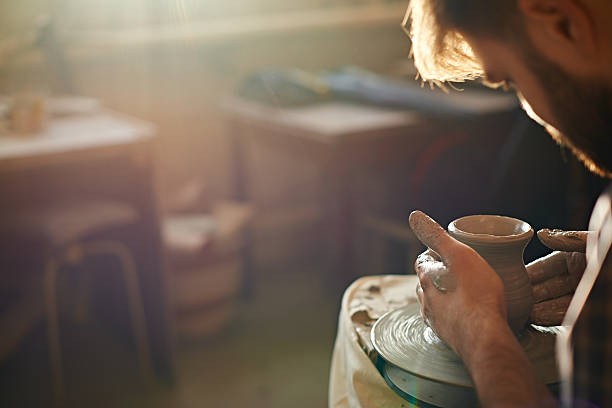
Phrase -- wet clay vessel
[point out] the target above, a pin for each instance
(418, 365)
(501, 241)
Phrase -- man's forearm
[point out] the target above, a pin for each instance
(502, 373)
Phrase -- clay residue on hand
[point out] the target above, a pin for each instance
(555, 287)
(444, 282)
(569, 241)
(427, 258)
(426, 229)
(550, 312)
(547, 267)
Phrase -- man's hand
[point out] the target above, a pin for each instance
(460, 293)
(555, 276)
(462, 298)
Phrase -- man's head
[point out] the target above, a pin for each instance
(557, 54)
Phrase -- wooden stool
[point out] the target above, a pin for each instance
(66, 235)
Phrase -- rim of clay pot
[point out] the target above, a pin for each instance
(486, 228)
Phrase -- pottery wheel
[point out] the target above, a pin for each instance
(402, 339)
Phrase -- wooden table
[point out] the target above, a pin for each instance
(101, 155)
(343, 140)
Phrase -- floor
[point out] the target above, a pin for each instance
(276, 353)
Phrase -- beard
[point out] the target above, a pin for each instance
(582, 111)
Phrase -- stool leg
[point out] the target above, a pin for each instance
(130, 275)
(55, 352)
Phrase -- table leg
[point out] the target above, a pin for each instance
(339, 212)
(240, 193)
(151, 267)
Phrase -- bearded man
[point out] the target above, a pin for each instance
(557, 56)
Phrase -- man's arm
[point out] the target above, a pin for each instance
(471, 318)
(502, 373)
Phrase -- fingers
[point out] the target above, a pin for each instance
(568, 241)
(556, 264)
(427, 259)
(565, 265)
(545, 268)
(550, 312)
(429, 267)
(576, 263)
(428, 256)
(419, 293)
(423, 302)
(555, 287)
(432, 235)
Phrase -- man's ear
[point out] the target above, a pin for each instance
(565, 21)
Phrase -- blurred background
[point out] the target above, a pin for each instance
(187, 186)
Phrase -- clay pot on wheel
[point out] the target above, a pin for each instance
(501, 241)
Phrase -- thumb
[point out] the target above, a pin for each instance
(432, 235)
(567, 241)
